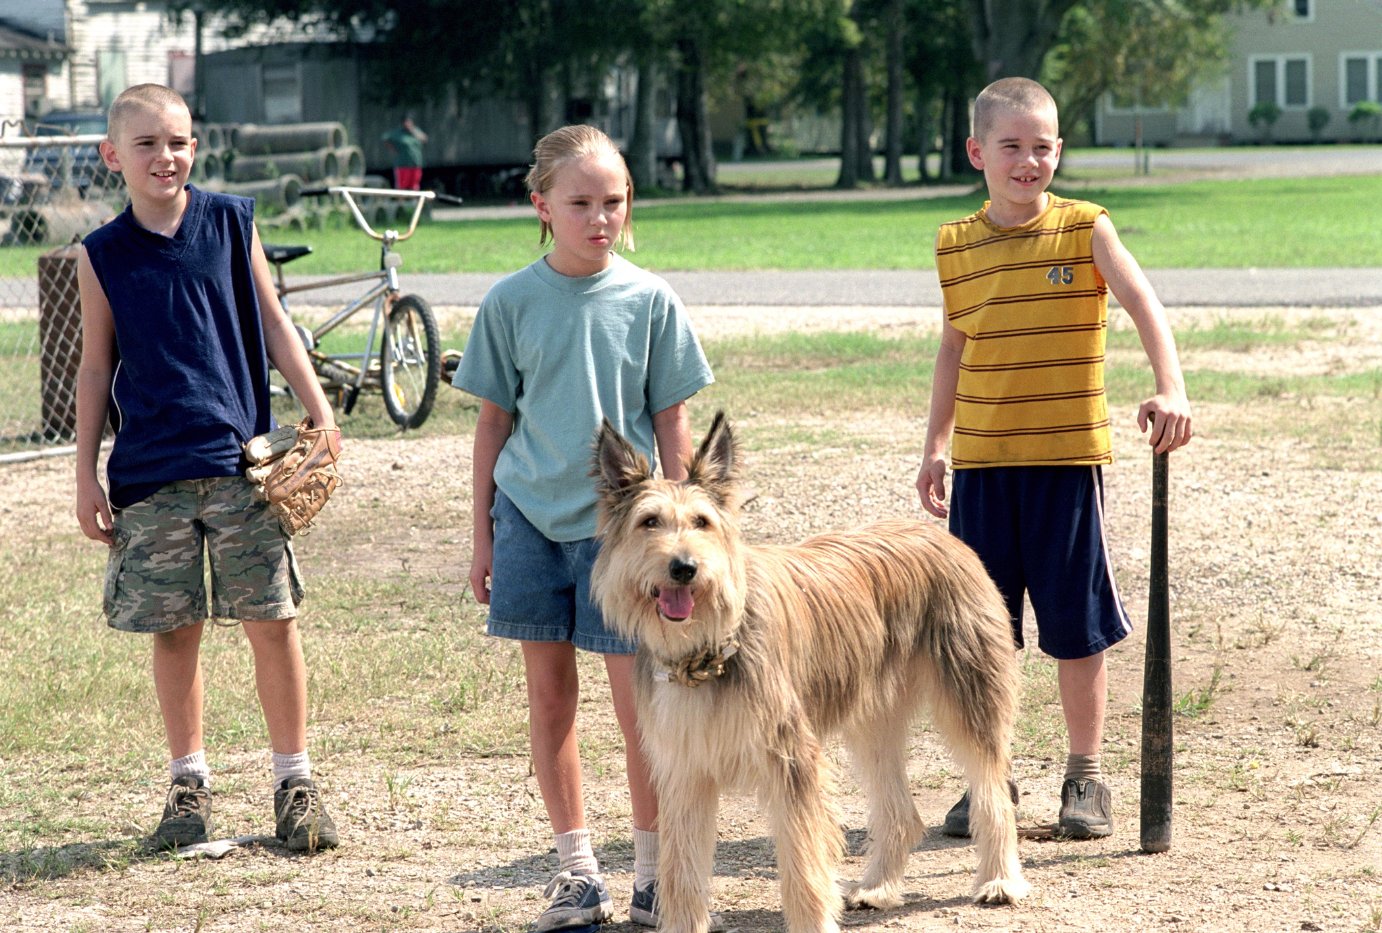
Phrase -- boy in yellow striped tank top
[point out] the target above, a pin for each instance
(1019, 386)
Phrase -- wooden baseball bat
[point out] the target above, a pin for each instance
(1157, 732)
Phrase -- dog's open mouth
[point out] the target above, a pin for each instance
(674, 603)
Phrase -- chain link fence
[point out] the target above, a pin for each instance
(53, 191)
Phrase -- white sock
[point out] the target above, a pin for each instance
(193, 764)
(575, 854)
(644, 857)
(296, 765)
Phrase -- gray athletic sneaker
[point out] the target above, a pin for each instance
(578, 900)
(1086, 810)
(301, 821)
(957, 820)
(186, 814)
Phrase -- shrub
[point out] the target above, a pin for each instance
(1317, 118)
(1366, 115)
(1263, 115)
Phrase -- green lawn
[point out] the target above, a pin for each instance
(1237, 224)
(1290, 223)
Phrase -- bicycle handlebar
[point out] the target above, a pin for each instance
(349, 193)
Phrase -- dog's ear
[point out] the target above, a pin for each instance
(715, 465)
(617, 465)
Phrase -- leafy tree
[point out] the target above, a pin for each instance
(544, 53)
(707, 41)
(856, 126)
(944, 74)
(1148, 53)
(1012, 37)
(894, 22)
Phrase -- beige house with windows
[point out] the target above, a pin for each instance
(1303, 55)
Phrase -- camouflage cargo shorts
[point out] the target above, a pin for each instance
(156, 575)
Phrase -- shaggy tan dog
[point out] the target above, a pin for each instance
(749, 657)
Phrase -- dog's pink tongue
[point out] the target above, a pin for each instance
(675, 602)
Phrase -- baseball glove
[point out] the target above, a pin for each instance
(294, 470)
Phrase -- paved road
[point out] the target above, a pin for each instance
(876, 288)
(1176, 287)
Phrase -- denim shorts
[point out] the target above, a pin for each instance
(156, 574)
(1040, 531)
(540, 589)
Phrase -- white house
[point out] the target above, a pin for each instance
(79, 54)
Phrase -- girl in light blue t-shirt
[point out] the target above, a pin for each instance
(578, 336)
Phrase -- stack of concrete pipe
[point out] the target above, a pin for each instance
(272, 164)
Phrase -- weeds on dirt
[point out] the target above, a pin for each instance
(1372, 819)
(1261, 631)
(1197, 701)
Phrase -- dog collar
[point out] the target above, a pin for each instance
(698, 668)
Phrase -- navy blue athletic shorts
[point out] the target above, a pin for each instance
(1040, 531)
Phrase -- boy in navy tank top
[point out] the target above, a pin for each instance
(179, 324)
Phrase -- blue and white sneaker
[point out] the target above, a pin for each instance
(577, 901)
(643, 909)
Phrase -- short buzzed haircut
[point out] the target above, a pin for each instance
(1022, 95)
(140, 97)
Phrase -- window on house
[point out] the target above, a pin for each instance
(1362, 77)
(35, 80)
(111, 74)
(1355, 80)
(1297, 84)
(1284, 81)
(1304, 9)
(282, 94)
(1264, 82)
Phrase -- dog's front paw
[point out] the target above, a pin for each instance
(885, 897)
(1002, 891)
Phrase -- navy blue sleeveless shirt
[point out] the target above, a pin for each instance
(191, 380)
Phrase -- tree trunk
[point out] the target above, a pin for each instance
(535, 102)
(955, 154)
(1011, 37)
(698, 158)
(892, 171)
(642, 154)
(849, 119)
(925, 133)
(863, 129)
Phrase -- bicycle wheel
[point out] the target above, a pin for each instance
(410, 363)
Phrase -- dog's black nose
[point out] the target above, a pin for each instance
(682, 571)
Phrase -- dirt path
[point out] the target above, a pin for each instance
(1277, 599)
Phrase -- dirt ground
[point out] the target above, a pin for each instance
(1277, 605)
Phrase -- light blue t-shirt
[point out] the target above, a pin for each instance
(561, 353)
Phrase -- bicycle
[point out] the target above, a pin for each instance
(401, 357)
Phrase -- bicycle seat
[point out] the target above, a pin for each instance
(281, 254)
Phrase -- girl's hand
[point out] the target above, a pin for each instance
(481, 566)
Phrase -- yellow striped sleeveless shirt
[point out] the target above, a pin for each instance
(1035, 312)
